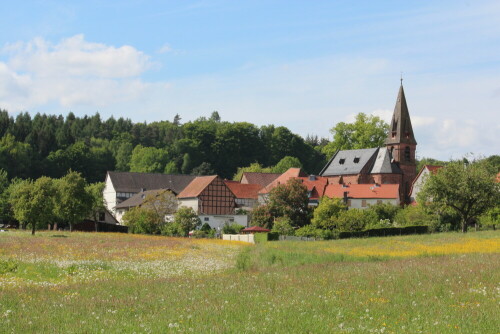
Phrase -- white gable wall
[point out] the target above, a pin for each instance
(109, 194)
(419, 183)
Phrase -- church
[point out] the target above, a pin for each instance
(392, 164)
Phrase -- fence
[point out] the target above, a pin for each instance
(239, 237)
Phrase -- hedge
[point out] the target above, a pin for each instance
(388, 231)
(263, 237)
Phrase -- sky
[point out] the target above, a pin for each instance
(306, 65)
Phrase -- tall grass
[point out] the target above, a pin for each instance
(310, 290)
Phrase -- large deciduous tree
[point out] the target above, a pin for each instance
(326, 214)
(74, 203)
(468, 188)
(33, 202)
(367, 131)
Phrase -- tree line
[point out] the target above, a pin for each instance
(50, 145)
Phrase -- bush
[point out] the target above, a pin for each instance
(385, 211)
(311, 231)
(233, 228)
(142, 221)
(8, 266)
(283, 226)
(355, 220)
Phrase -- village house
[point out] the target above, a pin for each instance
(213, 201)
(419, 181)
(120, 186)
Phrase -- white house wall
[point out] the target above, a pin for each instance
(419, 183)
(189, 203)
(109, 194)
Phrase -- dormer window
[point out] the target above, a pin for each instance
(356, 160)
(341, 161)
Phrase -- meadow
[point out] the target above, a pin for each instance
(116, 283)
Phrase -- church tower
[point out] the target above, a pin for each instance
(402, 144)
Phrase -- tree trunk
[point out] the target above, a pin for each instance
(71, 227)
(464, 226)
(33, 230)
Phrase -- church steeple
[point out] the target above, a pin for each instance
(401, 131)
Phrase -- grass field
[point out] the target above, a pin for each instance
(115, 283)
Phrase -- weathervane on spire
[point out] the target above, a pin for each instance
(401, 78)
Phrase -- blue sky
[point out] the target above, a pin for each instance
(303, 64)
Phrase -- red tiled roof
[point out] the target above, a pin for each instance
(255, 229)
(263, 179)
(283, 178)
(196, 186)
(242, 190)
(433, 169)
(363, 190)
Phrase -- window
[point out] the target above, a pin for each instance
(102, 216)
(206, 219)
(341, 161)
(356, 160)
(379, 201)
(348, 203)
(363, 203)
(407, 153)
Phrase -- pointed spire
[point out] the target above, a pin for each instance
(400, 130)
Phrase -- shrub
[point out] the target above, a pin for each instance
(233, 228)
(283, 226)
(385, 211)
(355, 220)
(8, 266)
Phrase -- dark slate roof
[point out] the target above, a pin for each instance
(383, 163)
(138, 198)
(343, 162)
(134, 182)
(401, 130)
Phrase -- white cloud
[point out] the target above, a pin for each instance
(165, 49)
(384, 114)
(69, 73)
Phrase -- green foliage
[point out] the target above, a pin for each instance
(261, 216)
(283, 226)
(148, 160)
(385, 211)
(264, 237)
(185, 220)
(355, 220)
(233, 228)
(367, 131)
(285, 164)
(254, 167)
(204, 169)
(291, 200)
(15, 157)
(491, 217)
(33, 202)
(74, 203)
(171, 168)
(8, 266)
(142, 221)
(467, 188)
(4, 197)
(326, 214)
(429, 161)
(311, 231)
(95, 191)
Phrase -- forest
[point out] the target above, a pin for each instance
(50, 145)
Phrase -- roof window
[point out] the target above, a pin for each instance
(356, 160)
(341, 161)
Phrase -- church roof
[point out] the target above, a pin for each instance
(383, 163)
(400, 130)
(348, 162)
